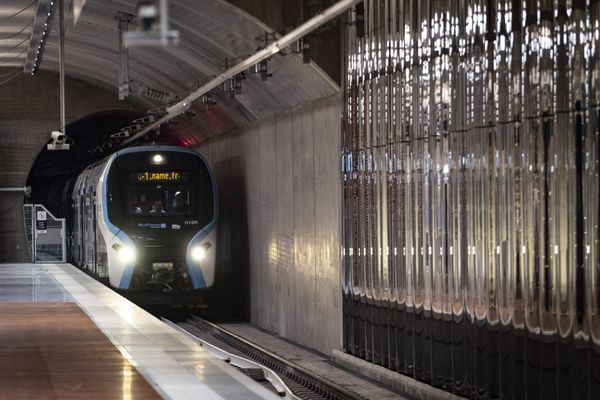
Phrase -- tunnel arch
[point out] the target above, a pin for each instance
(51, 170)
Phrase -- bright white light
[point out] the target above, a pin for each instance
(157, 159)
(446, 169)
(198, 253)
(126, 254)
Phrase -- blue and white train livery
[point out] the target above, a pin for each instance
(144, 220)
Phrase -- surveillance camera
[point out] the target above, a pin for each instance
(148, 14)
(153, 25)
(58, 137)
(58, 141)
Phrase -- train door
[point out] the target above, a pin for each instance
(84, 229)
(90, 230)
(101, 252)
(81, 225)
(94, 231)
(89, 240)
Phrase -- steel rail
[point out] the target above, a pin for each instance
(303, 382)
(271, 49)
(238, 361)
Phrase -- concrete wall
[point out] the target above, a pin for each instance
(279, 186)
(29, 111)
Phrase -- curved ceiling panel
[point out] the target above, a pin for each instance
(211, 31)
(16, 23)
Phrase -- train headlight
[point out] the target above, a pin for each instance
(126, 253)
(158, 159)
(199, 252)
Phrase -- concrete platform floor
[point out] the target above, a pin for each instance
(54, 351)
(65, 335)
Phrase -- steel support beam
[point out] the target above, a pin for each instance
(271, 49)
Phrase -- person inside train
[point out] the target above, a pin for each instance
(135, 208)
(141, 204)
(179, 203)
(157, 208)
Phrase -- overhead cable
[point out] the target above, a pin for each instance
(18, 33)
(16, 45)
(22, 10)
(14, 58)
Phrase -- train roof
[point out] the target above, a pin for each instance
(155, 148)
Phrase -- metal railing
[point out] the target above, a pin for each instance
(46, 234)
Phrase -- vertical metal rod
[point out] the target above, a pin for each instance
(164, 22)
(123, 57)
(61, 59)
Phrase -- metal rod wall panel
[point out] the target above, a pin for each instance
(471, 167)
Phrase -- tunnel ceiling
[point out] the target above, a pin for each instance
(211, 31)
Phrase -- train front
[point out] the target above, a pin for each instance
(160, 209)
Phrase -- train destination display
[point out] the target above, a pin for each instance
(159, 176)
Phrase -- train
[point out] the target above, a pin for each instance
(144, 221)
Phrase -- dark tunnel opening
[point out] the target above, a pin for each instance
(52, 170)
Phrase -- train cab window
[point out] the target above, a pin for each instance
(159, 200)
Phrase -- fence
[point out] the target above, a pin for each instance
(45, 234)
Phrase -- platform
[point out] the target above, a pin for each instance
(65, 335)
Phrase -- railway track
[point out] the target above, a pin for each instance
(289, 380)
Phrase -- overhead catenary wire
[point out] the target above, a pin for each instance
(18, 33)
(14, 58)
(16, 45)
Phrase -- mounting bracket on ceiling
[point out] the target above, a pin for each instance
(262, 69)
(127, 86)
(153, 25)
(232, 86)
(123, 25)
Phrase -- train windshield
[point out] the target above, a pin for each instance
(159, 200)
